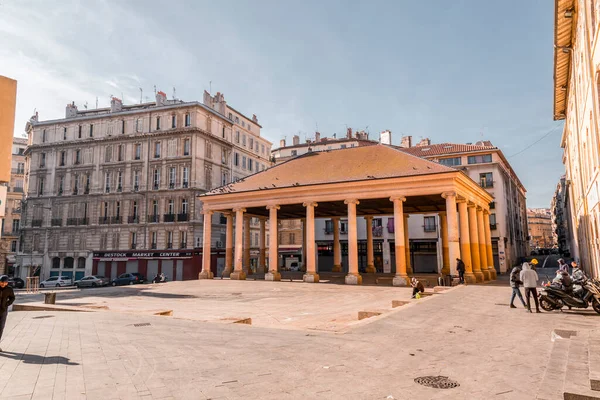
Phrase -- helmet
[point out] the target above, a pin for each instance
(534, 261)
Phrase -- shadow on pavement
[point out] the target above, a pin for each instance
(35, 359)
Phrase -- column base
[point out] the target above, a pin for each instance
(478, 276)
(400, 280)
(486, 275)
(470, 278)
(370, 269)
(445, 271)
(226, 272)
(311, 277)
(336, 268)
(238, 275)
(353, 279)
(272, 276)
(493, 274)
(206, 275)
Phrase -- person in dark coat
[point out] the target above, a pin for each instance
(515, 283)
(7, 297)
(460, 268)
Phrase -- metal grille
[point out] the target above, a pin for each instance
(437, 382)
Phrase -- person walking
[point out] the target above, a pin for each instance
(7, 297)
(417, 287)
(563, 266)
(460, 268)
(529, 278)
(515, 283)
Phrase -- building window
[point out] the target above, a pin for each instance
(139, 124)
(484, 158)
(64, 133)
(237, 137)
(136, 180)
(451, 162)
(133, 240)
(61, 185)
(158, 123)
(44, 136)
(108, 154)
(208, 149)
(237, 120)
(188, 120)
(122, 126)
(429, 224)
(79, 128)
(244, 140)
(153, 240)
(107, 182)
(172, 172)
(169, 240)
(154, 207)
(156, 149)
(119, 181)
(186, 147)
(343, 146)
(77, 157)
(120, 152)
(185, 175)
(294, 152)
(156, 179)
(42, 160)
(41, 187)
(486, 180)
(492, 205)
(91, 130)
(171, 207)
(244, 162)
(173, 121)
(184, 206)
(118, 209)
(251, 143)
(183, 239)
(262, 149)
(135, 209)
(223, 178)
(236, 159)
(492, 221)
(16, 225)
(13, 246)
(329, 226)
(250, 164)
(63, 155)
(138, 151)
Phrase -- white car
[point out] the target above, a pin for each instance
(56, 281)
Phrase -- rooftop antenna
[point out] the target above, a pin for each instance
(96, 102)
(210, 87)
(174, 93)
(154, 90)
(85, 105)
(141, 92)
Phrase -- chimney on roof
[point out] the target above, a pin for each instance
(424, 142)
(296, 140)
(317, 136)
(385, 137)
(116, 104)
(71, 110)
(161, 99)
(282, 143)
(349, 133)
(406, 142)
(254, 119)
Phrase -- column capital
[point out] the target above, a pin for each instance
(445, 195)
(310, 204)
(273, 207)
(486, 211)
(241, 209)
(393, 199)
(227, 213)
(471, 205)
(462, 200)
(479, 208)
(351, 201)
(335, 218)
(368, 217)
(207, 212)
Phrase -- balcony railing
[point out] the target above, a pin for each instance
(56, 222)
(182, 245)
(133, 219)
(172, 185)
(185, 184)
(103, 220)
(116, 220)
(169, 245)
(36, 222)
(153, 218)
(136, 188)
(82, 221)
(19, 171)
(17, 189)
(378, 231)
(72, 221)
(155, 186)
(107, 189)
(87, 190)
(169, 217)
(133, 246)
(184, 217)
(153, 246)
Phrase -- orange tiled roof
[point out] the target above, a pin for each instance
(336, 166)
(447, 148)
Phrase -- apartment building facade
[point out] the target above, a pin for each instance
(115, 190)
(541, 232)
(561, 219)
(577, 102)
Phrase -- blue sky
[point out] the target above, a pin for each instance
(453, 71)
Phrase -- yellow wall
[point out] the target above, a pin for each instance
(8, 100)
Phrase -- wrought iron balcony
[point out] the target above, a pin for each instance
(169, 217)
(153, 246)
(182, 245)
(169, 245)
(153, 218)
(133, 219)
(36, 222)
(56, 222)
(82, 221)
(115, 220)
(185, 185)
(72, 221)
(103, 220)
(133, 246)
(184, 217)
(87, 190)
(378, 231)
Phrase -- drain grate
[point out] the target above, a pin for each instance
(437, 382)
(43, 316)
(142, 324)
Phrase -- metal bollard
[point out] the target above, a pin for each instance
(49, 298)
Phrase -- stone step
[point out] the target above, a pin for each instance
(551, 387)
(577, 376)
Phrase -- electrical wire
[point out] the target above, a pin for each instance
(537, 141)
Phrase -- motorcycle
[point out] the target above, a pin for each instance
(159, 279)
(554, 298)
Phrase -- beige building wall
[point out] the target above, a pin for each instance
(8, 102)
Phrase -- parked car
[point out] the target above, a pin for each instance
(15, 282)
(92, 281)
(56, 281)
(129, 278)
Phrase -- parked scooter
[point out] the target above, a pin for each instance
(159, 278)
(554, 298)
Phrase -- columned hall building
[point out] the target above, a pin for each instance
(348, 183)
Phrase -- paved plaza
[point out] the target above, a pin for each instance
(467, 334)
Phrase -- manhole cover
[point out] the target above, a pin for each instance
(43, 316)
(437, 382)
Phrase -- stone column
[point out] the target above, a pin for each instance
(465, 243)
(273, 274)
(370, 262)
(206, 246)
(228, 246)
(311, 275)
(482, 246)
(445, 252)
(238, 272)
(401, 278)
(337, 250)
(474, 236)
(452, 220)
(353, 277)
(488, 243)
(303, 268)
(262, 248)
(247, 245)
(409, 270)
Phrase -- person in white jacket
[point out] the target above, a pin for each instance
(529, 278)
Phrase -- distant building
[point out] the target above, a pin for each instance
(561, 220)
(541, 234)
(114, 190)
